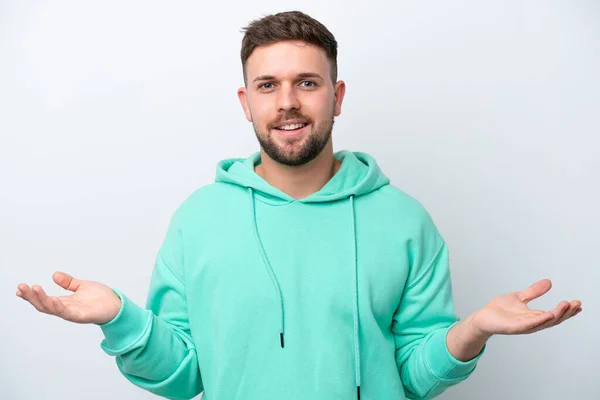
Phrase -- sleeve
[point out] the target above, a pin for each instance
(153, 346)
(424, 317)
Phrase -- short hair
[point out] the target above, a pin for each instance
(289, 25)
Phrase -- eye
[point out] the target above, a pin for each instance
(266, 85)
(310, 84)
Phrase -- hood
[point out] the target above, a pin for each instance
(358, 175)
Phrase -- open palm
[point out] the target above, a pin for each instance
(509, 314)
(91, 302)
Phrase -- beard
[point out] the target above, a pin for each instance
(295, 151)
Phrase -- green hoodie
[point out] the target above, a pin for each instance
(255, 295)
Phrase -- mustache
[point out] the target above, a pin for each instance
(291, 114)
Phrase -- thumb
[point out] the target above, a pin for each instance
(534, 291)
(66, 281)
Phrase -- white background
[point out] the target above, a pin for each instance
(112, 113)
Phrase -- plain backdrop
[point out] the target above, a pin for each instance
(112, 113)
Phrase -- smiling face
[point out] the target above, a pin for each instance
(291, 100)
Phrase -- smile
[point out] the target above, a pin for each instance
(291, 129)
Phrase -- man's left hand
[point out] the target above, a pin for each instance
(509, 314)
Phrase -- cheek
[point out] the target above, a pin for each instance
(261, 112)
(319, 108)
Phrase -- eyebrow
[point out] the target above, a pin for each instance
(300, 75)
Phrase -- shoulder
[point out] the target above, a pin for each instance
(207, 200)
(401, 205)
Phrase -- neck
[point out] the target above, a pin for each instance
(303, 180)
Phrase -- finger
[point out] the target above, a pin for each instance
(28, 294)
(574, 306)
(561, 308)
(534, 291)
(66, 281)
(557, 313)
(533, 320)
(547, 318)
(62, 310)
(569, 313)
(43, 298)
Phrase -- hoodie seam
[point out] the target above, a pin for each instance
(134, 342)
(282, 202)
(171, 269)
(274, 204)
(429, 267)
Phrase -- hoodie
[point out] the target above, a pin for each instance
(344, 294)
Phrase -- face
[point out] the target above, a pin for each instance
(291, 100)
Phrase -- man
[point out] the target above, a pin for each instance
(300, 273)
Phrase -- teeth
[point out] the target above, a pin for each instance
(290, 127)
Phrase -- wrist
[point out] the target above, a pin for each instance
(473, 330)
(114, 308)
(465, 340)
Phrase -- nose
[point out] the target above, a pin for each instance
(287, 98)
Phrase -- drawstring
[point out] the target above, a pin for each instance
(355, 274)
(267, 265)
(355, 313)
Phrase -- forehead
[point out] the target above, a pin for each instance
(287, 58)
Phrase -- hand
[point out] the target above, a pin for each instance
(509, 315)
(91, 302)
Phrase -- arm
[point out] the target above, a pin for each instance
(423, 319)
(464, 342)
(153, 347)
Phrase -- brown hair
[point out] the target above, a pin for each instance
(289, 25)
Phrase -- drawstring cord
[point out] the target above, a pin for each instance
(355, 313)
(268, 266)
(355, 282)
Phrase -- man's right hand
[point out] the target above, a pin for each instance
(90, 303)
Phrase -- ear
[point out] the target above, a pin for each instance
(243, 97)
(340, 91)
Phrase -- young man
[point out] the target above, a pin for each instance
(300, 273)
